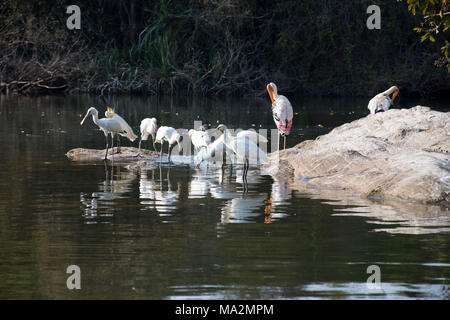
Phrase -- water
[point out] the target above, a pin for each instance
(177, 233)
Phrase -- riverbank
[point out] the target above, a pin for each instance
(216, 48)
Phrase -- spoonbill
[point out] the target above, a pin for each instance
(107, 125)
(209, 152)
(282, 112)
(148, 127)
(243, 148)
(252, 136)
(127, 131)
(200, 138)
(382, 101)
(170, 135)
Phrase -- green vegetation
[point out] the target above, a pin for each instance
(435, 24)
(317, 47)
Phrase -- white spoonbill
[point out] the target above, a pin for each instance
(209, 152)
(252, 136)
(200, 138)
(148, 127)
(243, 148)
(282, 112)
(107, 125)
(382, 101)
(170, 135)
(127, 131)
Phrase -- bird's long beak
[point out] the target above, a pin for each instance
(85, 117)
(394, 95)
(270, 91)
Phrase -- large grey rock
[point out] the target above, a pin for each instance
(398, 154)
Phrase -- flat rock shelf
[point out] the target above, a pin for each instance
(127, 155)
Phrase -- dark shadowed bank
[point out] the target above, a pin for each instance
(317, 47)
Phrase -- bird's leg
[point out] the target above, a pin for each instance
(118, 143)
(160, 154)
(140, 140)
(284, 146)
(244, 177)
(112, 147)
(153, 139)
(106, 153)
(245, 168)
(278, 141)
(106, 172)
(224, 158)
(170, 150)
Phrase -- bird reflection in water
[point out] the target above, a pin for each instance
(154, 195)
(102, 203)
(281, 193)
(162, 193)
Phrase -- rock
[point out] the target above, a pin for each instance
(398, 154)
(127, 154)
(142, 165)
(405, 217)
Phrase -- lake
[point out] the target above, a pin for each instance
(174, 232)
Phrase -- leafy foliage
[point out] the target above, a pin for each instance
(435, 24)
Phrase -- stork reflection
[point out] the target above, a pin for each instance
(279, 196)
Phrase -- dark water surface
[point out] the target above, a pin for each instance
(176, 232)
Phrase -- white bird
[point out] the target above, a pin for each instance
(107, 125)
(282, 112)
(382, 101)
(148, 127)
(243, 148)
(200, 138)
(252, 135)
(210, 151)
(170, 135)
(127, 131)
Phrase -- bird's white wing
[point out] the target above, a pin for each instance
(283, 108)
(252, 135)
(110, 124)
(212, 151)
(380, 102)
(126, 129)
(245, 148)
